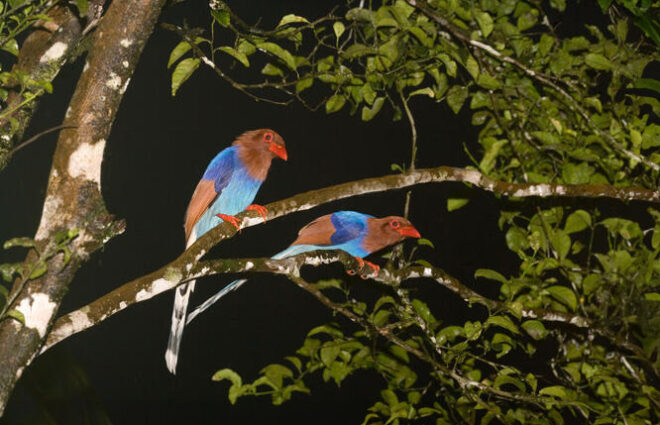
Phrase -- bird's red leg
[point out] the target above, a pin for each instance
(360, 265)
(375, 269)
(260, 209)
(230, 219)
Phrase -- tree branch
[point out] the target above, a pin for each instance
(181, 269)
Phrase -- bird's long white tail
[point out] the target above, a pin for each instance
(181, 298)
(209, 302)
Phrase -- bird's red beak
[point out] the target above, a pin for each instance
(278, 150)
(409, 231)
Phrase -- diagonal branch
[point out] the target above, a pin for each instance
(183, 268)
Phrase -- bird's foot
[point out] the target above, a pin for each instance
(352, 272)
(375, 269)
(231, 220)
(261, 210)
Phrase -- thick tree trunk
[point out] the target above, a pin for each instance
(73, 198)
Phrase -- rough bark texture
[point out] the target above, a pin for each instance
(73, 197)
(42, 55)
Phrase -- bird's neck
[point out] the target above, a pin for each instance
(255, 160)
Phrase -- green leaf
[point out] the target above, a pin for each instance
(423, 263)
(627, 229)
(488, 82)
(178, 51)
(555, 391)
(303, 84)
(456, 203)
(450, 64)
(11, 46)
(652, 296)
(472, 66)
(561, 242)
(326, 329)
(604, 4)
(527, 20)
(295, 361)
(490, 274)
(655, 239)
(276, 374)
(339, 29)
(560, 5)
(421, 36)
(505, 379)
(428, 91)
(229, 375)
(246, 47)
(369, 112)
(15, 314)
(279, 52)
(503, 322)
(577, 174)
(501, 343)
(516, 239)
(292, 19)
(272, 70)
(591, 283)
(577, 221)
(424, 312)
(182, 72)
(450, 333)
(535, 329)
(329, 283)
(490, 157)
(7, 271)
(241, 57)
(424, 241)
(24, 242)
(39, 269)
(647, 83)
(485, 23)
(564, 295)
(221, 16)
(598, 61)
(456, 97)
(335, 103)
(329, 353)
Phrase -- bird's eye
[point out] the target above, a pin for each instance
(395, 224)
(268, 137)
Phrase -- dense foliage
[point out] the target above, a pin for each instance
(550, 108)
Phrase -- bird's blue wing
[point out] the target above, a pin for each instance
(349, 225)
(215, 179)
(221, 169)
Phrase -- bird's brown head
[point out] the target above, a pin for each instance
(257, 148)
(388, 231)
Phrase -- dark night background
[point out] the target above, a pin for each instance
(158, 149)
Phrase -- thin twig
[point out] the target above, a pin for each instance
(38, 135)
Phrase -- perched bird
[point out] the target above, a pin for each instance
(356, 233)
(228, 186)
